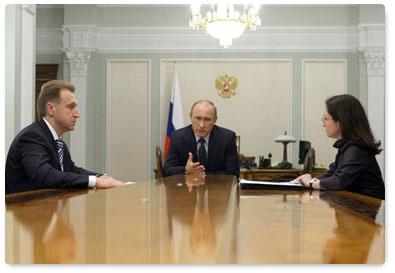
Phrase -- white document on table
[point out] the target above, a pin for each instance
(273, 185)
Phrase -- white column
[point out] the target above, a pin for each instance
(372, 44)
(25, 68)
(78, 43)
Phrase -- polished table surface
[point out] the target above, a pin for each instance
(179, 220)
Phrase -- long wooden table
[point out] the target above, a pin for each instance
(174, 220)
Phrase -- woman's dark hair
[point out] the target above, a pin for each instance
(354, 124)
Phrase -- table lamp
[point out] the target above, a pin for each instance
(285, 139)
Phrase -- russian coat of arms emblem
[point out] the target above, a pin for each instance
(226, 86)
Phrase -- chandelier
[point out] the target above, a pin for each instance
(225, 22)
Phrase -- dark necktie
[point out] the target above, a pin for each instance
(202, 152)
(59, 146)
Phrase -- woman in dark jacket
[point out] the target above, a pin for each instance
(355, 168)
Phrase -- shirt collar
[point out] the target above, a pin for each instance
(206, 138)
(53, 132)
(340, 143)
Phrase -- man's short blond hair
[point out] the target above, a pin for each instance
(50, 91)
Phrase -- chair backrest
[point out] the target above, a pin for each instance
(309, 161)
(238, 144)
(304, 147)
(159, 164)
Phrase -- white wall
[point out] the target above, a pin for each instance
(259, 111)
(321, 79)
(128, 119)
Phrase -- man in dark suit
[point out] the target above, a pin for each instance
(38, 158)
(202, 146)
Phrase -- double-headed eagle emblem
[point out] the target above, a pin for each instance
(226, 86)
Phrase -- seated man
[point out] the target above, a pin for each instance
(38, 158)
(202, 146)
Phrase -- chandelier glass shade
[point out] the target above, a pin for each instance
(225, 21)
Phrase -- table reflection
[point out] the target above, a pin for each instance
(309, 227)
(350, 231)
(54, 240)
(194, 220)
(203, 239)
(199, 225)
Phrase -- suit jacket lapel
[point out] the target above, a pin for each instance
(212, 143)
(192, 144)
(50, 141)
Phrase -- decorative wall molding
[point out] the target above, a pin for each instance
(78, 44)
(51, 6)
(176, 39)
(81, 37)
(31, 8)
(78, 62)
(372, 45)
(371, 36)
(375, 62)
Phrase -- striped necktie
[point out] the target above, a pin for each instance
(59, 146)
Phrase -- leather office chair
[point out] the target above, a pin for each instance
(159, 164)
(309, 161)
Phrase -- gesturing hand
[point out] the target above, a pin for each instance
(191, 167)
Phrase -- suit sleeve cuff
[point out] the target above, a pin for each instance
(92, 181)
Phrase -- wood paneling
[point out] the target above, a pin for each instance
(44, 73)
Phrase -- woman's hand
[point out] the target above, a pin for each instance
(305, 180)
(308, 182)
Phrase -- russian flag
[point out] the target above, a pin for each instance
(176, 115)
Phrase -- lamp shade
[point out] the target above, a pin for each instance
(285, 138)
